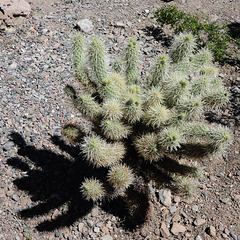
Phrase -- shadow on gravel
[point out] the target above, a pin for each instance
(53, 181)
(158, 35)
(234, 31)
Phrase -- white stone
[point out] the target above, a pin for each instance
(198, 237)
(165, 197)
(120, 24)
(85, 25)
(80, 227)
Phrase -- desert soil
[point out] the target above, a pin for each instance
(38, 171)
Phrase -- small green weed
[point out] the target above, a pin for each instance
(216, 37)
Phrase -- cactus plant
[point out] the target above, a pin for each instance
(154, 120)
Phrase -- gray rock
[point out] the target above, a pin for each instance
(173, 209)
(199, 222)
(177, 228)
(85, 25)
(90, 223)
(80, 227)
(120, 24)
(164, 230)
(225, 200)
(212, 231)
(165, 197)
(233, 236)
(107, 237)
(57, 233)
(204, 194)
(13, 66)
(151, 190)
(198, 237)
(8, 145)
(15, 197)
(195, 208)
(94, 212)
(235, 89)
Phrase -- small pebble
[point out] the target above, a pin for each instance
(15, 197)
(173, 209)
(198, 237)
(195, 208)
(233, 236)
(57, 233)
(90, 223)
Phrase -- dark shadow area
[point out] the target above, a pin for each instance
(234, 31)
(232, 118)
(196, 150)
(54, 180)
(158, 35)
(174, 166)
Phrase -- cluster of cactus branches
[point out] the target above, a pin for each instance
(155, 120)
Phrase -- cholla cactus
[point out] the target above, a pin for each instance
(155, 122)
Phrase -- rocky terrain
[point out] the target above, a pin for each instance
(39, 177)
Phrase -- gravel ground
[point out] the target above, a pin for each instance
(35, 66)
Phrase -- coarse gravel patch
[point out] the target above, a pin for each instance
(35, 66)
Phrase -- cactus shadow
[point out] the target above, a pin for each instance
(52, 181)
(234, 30)
(158, 35)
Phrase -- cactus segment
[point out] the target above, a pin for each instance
(115, 130)
(113, 87)
(191, 106)
(216, 97)
(159, 71)
(133, 110)
(72, 132)
(147, 146)
(199, 86)
(154, 96)
(92, 189)
(196, 130)
(120, 177)
(97, 61)
(112, 109)
(208, 71)
(182, 47)
(118, 65)
(100, 153)
(170, 139)
(177, 87)
(220, 139)
(88, 106)
(156, 115)
(203, 57)
(131, 60)
(185, 185)
(78, 54)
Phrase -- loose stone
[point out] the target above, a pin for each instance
(165, 197)
(177, 228)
